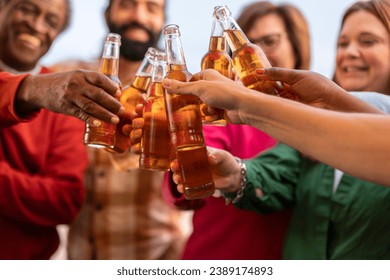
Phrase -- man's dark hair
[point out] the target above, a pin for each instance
(110, 3)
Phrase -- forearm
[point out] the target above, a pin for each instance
(344, 141)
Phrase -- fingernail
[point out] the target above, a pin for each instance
(118, 93)
(167, 83)
(213, 159)
(96, 123)
(121, 110)
(114, 120)
(260, 71)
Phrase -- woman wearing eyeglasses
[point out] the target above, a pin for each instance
(222, 231)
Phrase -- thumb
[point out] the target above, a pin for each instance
(288, 76)
(174, 86)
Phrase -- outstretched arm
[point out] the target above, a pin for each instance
(87, 95)
(349, 142)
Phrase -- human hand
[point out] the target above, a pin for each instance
(226, 171)
(214, 89)
(307, 87)
(87, 95)
(137, 129)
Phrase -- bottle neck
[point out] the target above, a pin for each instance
(218, 43)
(232, 32)
(109, 64)
(159, 71)
(217, 39)
(146, 67)
(141, 83)
(174, 51)
(236, 39)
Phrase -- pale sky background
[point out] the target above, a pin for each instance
(84, 38)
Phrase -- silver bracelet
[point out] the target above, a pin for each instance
(240, 191)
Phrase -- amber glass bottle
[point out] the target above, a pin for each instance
(216, 58)
(132, 95)
(155, 141)
(185, 123)
(247, 57)
(103, 136)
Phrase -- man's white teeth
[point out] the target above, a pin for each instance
(30, 39)
(354, 69)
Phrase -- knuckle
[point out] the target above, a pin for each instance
(78, 113)
(87, 106)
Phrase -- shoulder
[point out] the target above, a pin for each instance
(379, 100)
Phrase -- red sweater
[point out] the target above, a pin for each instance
(42, 163)
(223, 232)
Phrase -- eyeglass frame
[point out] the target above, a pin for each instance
(258, 41)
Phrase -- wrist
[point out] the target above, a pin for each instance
(234, 197)
(24, 103)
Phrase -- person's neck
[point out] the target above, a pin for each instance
(127, 70)
(4, 67)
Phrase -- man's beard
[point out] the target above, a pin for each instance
(130, 49)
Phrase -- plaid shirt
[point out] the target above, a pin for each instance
(124, 216)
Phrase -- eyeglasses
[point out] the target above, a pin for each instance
(268, 42)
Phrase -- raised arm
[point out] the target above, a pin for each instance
(349, 142)
(87, 95)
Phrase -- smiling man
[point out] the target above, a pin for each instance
(42, 161)
(27, 30)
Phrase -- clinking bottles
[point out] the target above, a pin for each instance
(185, 123)
(104, 135)
(247, 57)
(155, 141)
(218, 59)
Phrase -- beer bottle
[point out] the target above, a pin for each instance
(216, 58)
(185, 123)
(247, 57)
(103, 136)
(132, 95)
(155, 141)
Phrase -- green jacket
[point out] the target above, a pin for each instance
(352, 223)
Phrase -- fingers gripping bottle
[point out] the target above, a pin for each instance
(185, 123)
(247, 57)
(155, 141)
(217, 58)
(103, 136)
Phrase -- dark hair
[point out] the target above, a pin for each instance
(294, 21)
(165, 7)
(68, 14)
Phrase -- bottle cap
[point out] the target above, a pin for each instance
(113, 37)
(221, 12)
(171, 29)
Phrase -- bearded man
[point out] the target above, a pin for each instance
(124, 216)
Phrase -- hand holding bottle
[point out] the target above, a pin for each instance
(87, 95)
(213, 89)
(225, 170)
